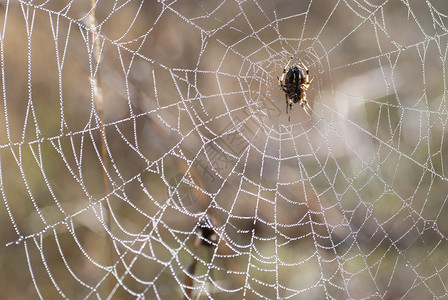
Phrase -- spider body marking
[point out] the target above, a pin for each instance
(294, 82)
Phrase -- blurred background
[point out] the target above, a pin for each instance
(145, 150)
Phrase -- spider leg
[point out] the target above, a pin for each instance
(306, 68)
(290, 108)
(304, 108)
(307, 105)
(287, 65)
(309, 82)
(305, 102)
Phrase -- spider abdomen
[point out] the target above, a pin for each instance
(293, 79)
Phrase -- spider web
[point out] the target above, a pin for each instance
(145, 151)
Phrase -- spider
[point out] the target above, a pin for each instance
(294, 82)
